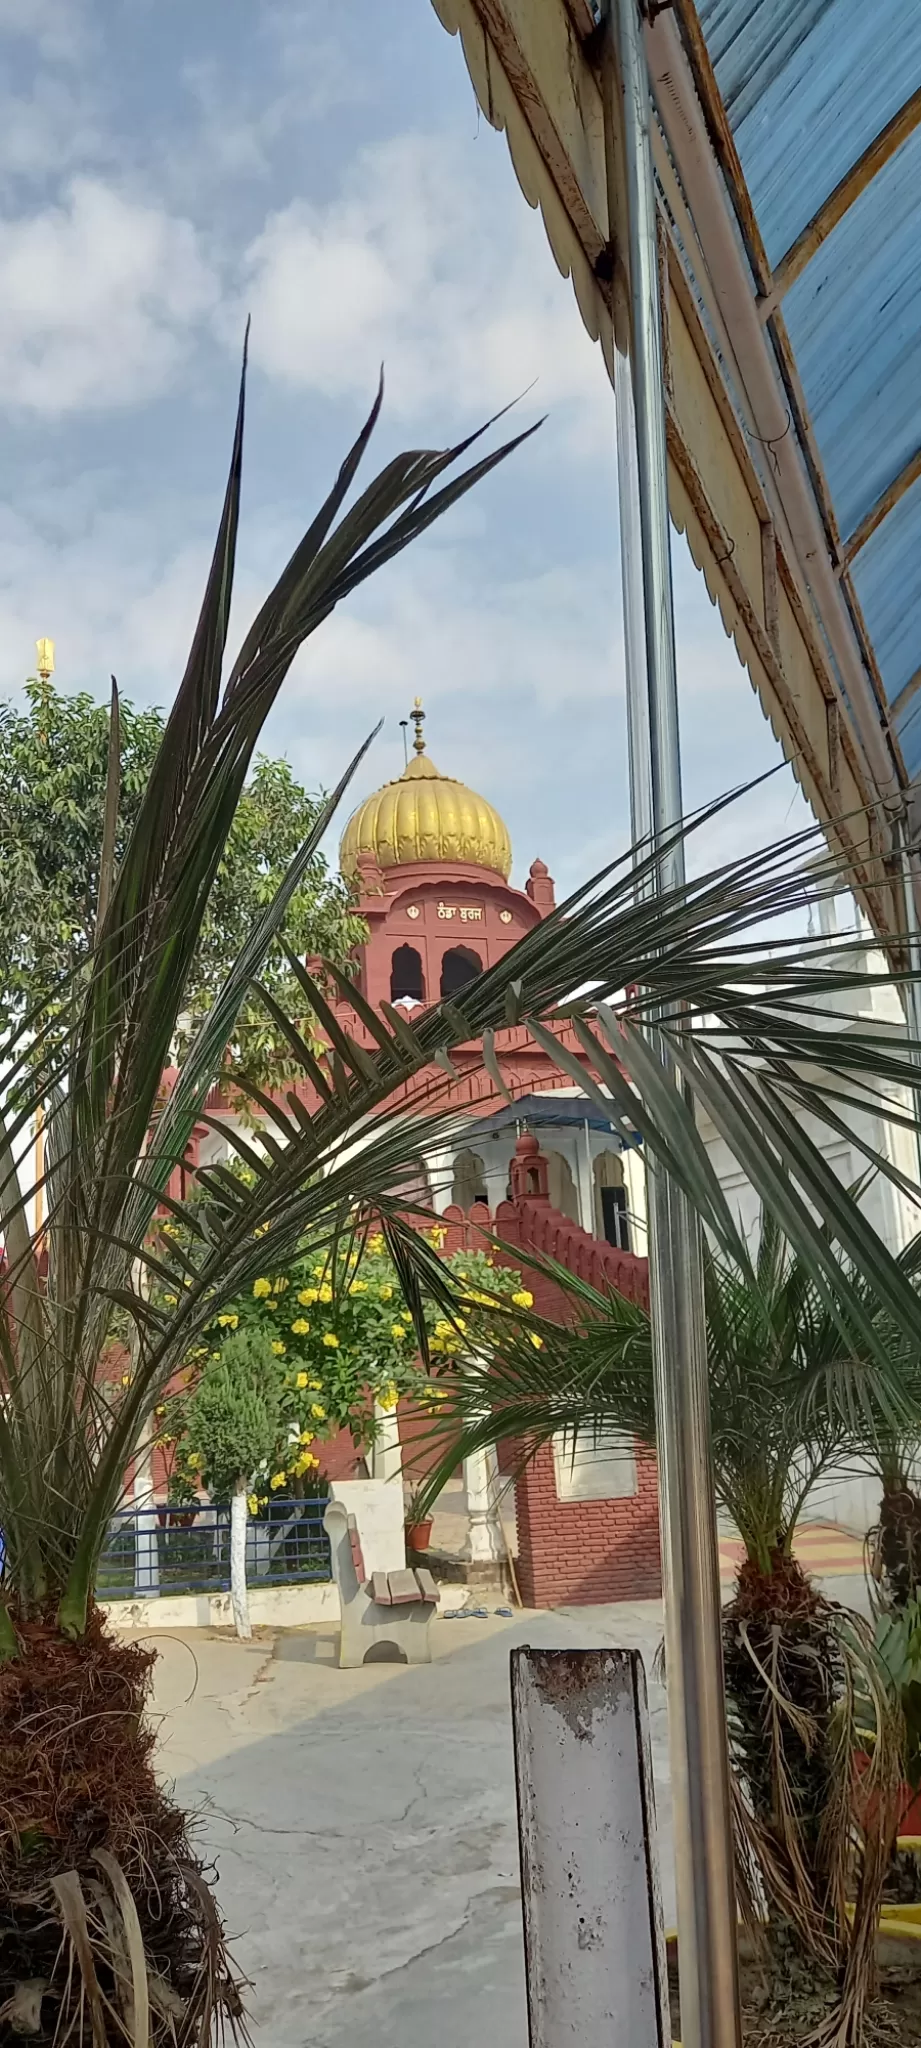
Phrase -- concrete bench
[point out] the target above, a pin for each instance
(393, 1609)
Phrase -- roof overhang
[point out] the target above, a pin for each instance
(804, 543)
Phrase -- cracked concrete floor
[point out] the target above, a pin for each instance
(364, 1822)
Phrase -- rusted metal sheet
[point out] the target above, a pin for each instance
(594, 1943)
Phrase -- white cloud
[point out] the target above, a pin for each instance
(422, 261)
(99, 296)
(59, 29)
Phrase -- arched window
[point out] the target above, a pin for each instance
(469, 1183)
(460, 965)
(561, 1187)
(406, 976)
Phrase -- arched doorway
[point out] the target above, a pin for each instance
(610, 1200)
(561, 1187)
(459, 965)
(406, 983)
(469, 1184)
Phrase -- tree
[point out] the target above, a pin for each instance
(235, 1418)
(792, 1392)
(54, 755)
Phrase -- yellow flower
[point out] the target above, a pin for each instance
(316, 1386)
(228, 1322)
(306, 1436)
(308, 1295)
(318, 1412)
(385, 1293)
(397, 1332)
(252, 1502)
(301, 1328)
(171, 1299)
(330, 1340)
(444, 1329)
(537, 1341)
(325, 1294)
(305, 1463)
(193, 1462)
(272, 1303)
(126, 1379)
(261, 1229)
(280, 1286)
(161, 1410)
(261, 1288)
(376, 1243)
(388, 1397)
(279, 1350)
(277, 1480)
(302, 1380)
(523, 1299)
(358, 1287)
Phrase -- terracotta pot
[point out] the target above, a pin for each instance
(418, 1535)
(909, 1809)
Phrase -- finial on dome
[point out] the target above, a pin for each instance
(418, 718)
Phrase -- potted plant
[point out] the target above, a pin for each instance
(418, 1527)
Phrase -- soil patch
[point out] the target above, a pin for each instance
(895, 2017)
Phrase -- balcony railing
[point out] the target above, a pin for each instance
(156, 1550)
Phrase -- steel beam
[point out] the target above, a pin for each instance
(697, 1717)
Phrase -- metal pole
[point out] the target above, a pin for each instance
(697, 1720)
(913, 987)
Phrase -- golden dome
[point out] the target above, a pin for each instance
(426, 816)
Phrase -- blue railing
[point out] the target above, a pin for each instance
(187, 1550)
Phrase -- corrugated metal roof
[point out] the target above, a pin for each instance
(808, 86)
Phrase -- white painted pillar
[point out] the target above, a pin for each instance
(485, 1543)
(594, 1942)
(387, 1451)
(495, 1166)
(585, 1178)
(634, 1166)
(439, 1166)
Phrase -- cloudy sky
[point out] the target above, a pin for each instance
(167, 168)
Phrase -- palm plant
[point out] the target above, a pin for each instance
(792, 1393)
(87, 1839)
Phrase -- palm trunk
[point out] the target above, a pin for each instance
(239, 1597)
(899, 1538)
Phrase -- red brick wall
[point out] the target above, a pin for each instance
(573, 1553)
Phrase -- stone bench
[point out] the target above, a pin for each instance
(392, 1610)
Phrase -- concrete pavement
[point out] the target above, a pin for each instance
(364, 1822)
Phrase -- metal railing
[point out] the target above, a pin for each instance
(158, 1549)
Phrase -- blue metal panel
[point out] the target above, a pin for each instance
(854, 319)
(887, 579)
(807, 85)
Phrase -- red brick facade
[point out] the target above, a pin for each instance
(571, 1553)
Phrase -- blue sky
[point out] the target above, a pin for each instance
(166, 168)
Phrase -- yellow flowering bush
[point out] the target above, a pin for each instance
(353, 1355)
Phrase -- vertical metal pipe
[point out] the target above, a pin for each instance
(697, 1721)
(913, 987)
